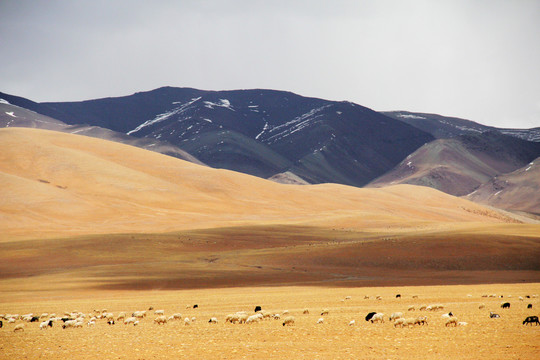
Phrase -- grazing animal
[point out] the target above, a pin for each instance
(505, 305)
(45, 323)
(452, 321)
(213, 320)
(370, 315)
(481, 306)
(305, 312)
(421, 320)
(257, 308)
(320, 321)
(528, 307)
(160, 320)
(110, 322)
(195, 306)
(18, 327)
(531, 320)
(493, 315)
(289, 320)
(378, 317)
(1, 324)
(352, 322)
(398, 296)
(324, 312)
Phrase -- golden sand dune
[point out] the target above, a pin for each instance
(56, 184)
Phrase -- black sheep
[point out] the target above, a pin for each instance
(1, 323)
(257, 308)
(398, 295)
(34, 319)
(529, 306)
(531, 320)
(506, 305)
(370, 315)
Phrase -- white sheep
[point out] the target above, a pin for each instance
(213, 320)
(254, 318)
(395, 316)
(451, 321)
(139, 314)
(160, 320)
(136, 323)
(121, 316)
(348, 298)
(324, 312)
(305, 312)
(422, 307)
(289, 320)
(399, 322)
(276, 316)
(91, 323)
(411, 308)
(421, 320)
(159, 312)
(193, 319)
(409, 322)
(45, 324)
(320, 321)
(18, 327)
(462, 323)
(130, 320)
(378, 317)
(352, 322)
(232, 318)
(186, 321)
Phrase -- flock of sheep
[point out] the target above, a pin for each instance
(76, 319)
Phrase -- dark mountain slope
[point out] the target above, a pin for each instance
(443, 127)
(17, 116)
(261, 132)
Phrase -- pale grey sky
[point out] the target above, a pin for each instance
(476, 59)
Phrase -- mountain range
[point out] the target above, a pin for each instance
(293, 139)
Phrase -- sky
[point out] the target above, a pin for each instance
(474, 59)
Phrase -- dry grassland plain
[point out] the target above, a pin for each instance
(482, 337)
(88, 224)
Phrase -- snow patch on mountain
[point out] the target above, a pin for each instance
(295, 125)
(410, 116)
(224, 103)
(165, 116)
(265, 127)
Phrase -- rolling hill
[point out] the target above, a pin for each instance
(459, 165)
(61, 184)
(83, 213)
(518, 190)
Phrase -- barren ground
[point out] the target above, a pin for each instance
(483, 337)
